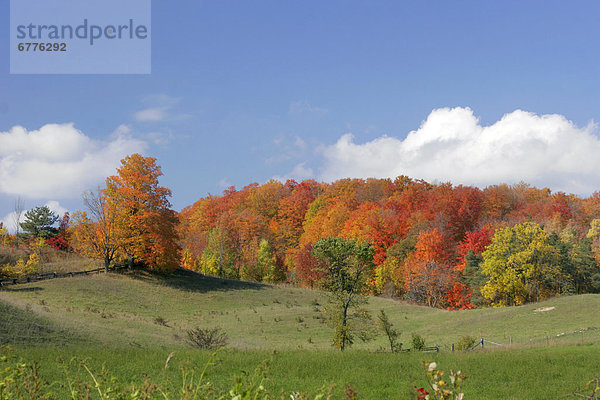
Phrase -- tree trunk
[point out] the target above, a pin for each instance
(129, 262)
(344, 323)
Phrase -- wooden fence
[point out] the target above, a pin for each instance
(435, 348)
(481, 343)
(52, 275)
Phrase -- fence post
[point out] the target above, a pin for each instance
(511, 340)
(482, 343)
(452, 347)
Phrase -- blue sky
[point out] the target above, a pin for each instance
(241, 92)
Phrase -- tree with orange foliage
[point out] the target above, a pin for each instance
(95, 234)
(145, 222)
(379, 225)
(287, 226)
(428, 272)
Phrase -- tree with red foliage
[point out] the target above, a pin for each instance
(428, 272)
(468, 278)
(475, 240)
(308, 270)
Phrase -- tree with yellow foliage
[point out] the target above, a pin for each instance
(521, 265)
(95, 234)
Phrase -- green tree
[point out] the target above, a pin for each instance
(348, 265)
(390, 332)
(220, 256)
(521, 264)
(576, 261)
(38, 222)
(473, 277)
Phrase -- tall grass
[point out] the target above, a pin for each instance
(528, 374)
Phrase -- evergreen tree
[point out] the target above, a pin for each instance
(38, 222)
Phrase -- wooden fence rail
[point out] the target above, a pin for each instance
(435, 348)
(52, 275)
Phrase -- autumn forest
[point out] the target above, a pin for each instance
(436, 244)
(441, 245)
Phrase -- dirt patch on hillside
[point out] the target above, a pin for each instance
(544, 309)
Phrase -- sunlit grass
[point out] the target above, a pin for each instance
(132, 321)
(124, 309)
(522, 374)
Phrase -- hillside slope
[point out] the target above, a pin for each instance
(144, 310)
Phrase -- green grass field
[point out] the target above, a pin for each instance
(131, 322)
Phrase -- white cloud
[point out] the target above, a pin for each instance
(301, 171)
(151, 114)
(58, 160)
(287, 149)
(9, 220)
(300, 143)
(298, 173)
(451, 145)
(56, 208)
(159, 138)
(158, 108)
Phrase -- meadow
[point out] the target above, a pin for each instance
(130, 322)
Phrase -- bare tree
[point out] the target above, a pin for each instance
(18, 209)
(97, 235)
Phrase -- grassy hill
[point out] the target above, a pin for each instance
(144, 310)
(130, 322)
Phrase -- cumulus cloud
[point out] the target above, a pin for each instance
(9, 221)
(452, 145)
(58, 160)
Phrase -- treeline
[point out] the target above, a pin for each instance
(435, 244)
(128, 221)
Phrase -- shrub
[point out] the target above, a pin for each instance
(466, 342)
(591, 390)
(208, 338)
(441, 389)
(392, 334)
(418, 342)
